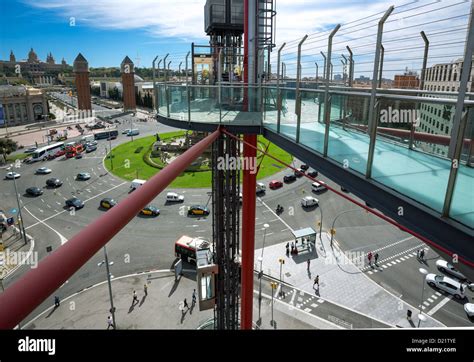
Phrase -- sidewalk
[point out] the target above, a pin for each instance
(160, 309)
(14, 252)
(341, 282)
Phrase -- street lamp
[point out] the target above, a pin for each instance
(106, 261)
(333, 231)
(421, 318)
(20, 217)
(274, 286)
(424, 272)
(281, 261)
(260, 274)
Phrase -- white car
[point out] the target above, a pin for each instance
(309, 201)
(43, 171)
(261, 187)
(447, 284)
(469, 309)
(12, 175)
(449, 268)
(318, 186)
(174, 197)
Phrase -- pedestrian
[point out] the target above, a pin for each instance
(376, 257)
(110, 322)
(369, 256)
(422, 254)
(56, 301)
(309, 263)
(186, 303)
(145, 289)
(316, 281)
(135, 297)
(194, 297)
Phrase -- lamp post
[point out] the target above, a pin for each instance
(424, 272)
(421, 318)
(274, 286)
(260, 274)
(281, 261)
(20, 217)
(106, 261)
(333, 231)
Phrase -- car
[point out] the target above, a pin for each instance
(43, 171)
(83, 176)
(31, 150)
(198, 210)
(79, 156)
(299, 173)
(448, 268)
(446, 284)
(113, 137)
(107, 203)
(53, 182)
(304, 167)
(174, 197)
(275, 184)
(34, 191)
(90, 148)
(289, 178)
(469, 309)
(318, 186)
(60, 153)
(125, 131)
(12, 175)
(309, 201)
(261, 188)
(75, 203)
(313, 173)
(150, 210)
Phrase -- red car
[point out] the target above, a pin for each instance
(275, 184)
(60, 153)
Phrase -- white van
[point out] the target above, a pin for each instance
(309, 201)
(174, 197)
(318, 186)
(261, 187)
(136, 184)
(133, 132)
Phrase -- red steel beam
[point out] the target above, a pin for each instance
(368, 209)
(249, 198)
(22, 297)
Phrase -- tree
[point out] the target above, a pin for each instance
(7, 146)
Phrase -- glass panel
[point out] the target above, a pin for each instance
(348, 139)
(204, 104)
(270, 113)
(462, 206)
(178, 102)
(420, 173)
(288, 115)
(312, 120)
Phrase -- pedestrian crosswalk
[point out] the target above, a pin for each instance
(393, 260)
(302, 300)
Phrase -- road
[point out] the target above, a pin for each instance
(148, 243)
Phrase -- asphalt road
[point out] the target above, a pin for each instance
(148, 243)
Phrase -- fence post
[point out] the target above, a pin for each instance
(278, 88)
(297, 92)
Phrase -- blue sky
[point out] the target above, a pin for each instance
(107, 30)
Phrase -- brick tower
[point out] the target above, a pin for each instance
(128, 84)
(81, 70)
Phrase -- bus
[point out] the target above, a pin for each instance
(72, 151)
(185, 248)
(43, 153)
(106, 134)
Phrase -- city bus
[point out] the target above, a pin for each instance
(72, 151)
(106, 134)
(43, 153)
(185, 248)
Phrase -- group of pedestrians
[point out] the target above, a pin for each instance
(185, 302)
(371, 257)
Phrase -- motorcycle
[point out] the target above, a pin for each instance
(279, 209)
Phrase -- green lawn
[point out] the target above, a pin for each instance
(18, 156)
(130, 165)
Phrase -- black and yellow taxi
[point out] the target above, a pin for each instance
(150, 210)
(198, 210)
(107, 203)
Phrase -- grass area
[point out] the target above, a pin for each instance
(125, 155)
(18, 156)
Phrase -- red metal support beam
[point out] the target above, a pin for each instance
(249, 199)
(21, 298)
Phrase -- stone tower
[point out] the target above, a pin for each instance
(81, 70)
(12, 57)
(128, 85)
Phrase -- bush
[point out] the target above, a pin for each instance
(139, 149)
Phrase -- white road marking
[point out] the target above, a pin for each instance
(439, 305)
(58, 203)
(40, 210)
(42, 200)
(278, 217)
(61, 237)
(48, 206)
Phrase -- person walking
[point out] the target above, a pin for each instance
(376, 258)
(194, 297)
(110, 323)
(186, 303)
(145, 289)
(422, 254)
(56, 301)
(135, 297)
(316, 281)
(369, 256)
(308, 263)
